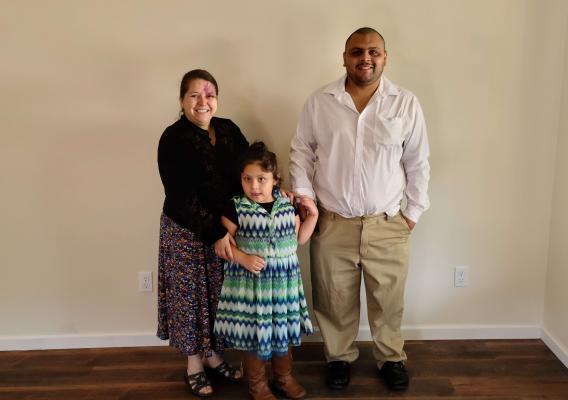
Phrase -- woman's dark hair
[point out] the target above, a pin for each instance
(259, 154)
(196, 74)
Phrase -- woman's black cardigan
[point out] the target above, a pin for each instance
(198, 177)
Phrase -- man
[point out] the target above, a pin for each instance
(361, 149)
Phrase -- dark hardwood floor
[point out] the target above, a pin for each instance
(470, 369)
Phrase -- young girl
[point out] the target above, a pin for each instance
(262, 309)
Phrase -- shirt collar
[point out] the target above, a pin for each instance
(213, 122)
(386, 87)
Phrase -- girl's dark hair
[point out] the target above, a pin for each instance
(259, 154)
(196, 74)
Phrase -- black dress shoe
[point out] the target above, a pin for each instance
(338, 374)
(395, 375)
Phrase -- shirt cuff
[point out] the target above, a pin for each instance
(305, 192)
(412, 213)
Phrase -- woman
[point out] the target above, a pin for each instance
(197, 162)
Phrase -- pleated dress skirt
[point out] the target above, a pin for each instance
(265, 313)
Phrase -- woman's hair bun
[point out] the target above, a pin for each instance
(258, 153)
(258, 146)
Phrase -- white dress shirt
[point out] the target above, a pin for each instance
(359, 164)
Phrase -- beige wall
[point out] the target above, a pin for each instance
(87, 87)
(556, 300)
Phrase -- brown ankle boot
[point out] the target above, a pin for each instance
(283, 379)
(255, 374)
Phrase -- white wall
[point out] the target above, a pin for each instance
(556, 300)
(87, 87)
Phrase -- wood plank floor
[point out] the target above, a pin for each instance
(470, 369)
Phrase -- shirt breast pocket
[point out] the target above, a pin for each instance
(388, 131)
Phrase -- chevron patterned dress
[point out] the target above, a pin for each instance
(264, 313)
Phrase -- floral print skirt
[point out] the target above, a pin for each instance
(190, 277)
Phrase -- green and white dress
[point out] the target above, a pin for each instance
(264, 313)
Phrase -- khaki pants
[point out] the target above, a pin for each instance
(343, 248)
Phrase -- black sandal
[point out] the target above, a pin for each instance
(226, 371)
(196, 382)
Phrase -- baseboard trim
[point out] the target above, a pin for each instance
(410, 332)
(86, 341)
(462, 332)
(555, 346)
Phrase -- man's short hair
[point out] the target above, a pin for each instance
(365, 31)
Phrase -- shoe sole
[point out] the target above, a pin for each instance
(212, 372)
(337, 387)
(276, 390)
(186, 379)
(398, 388)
